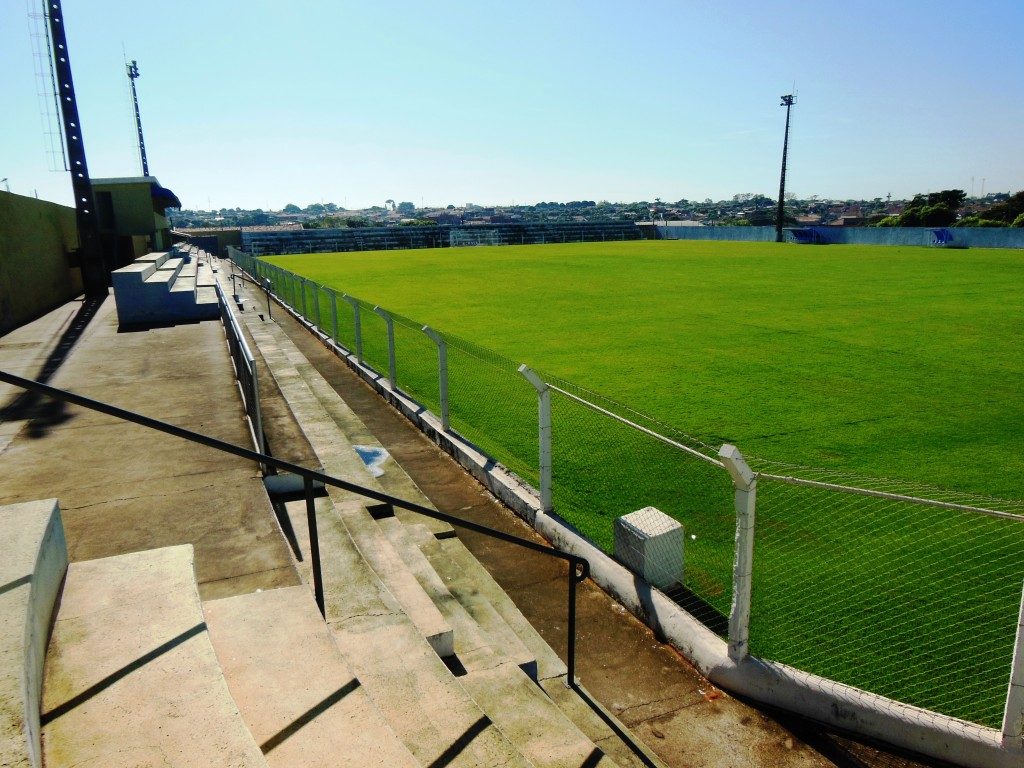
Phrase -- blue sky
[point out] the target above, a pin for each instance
(259, 104)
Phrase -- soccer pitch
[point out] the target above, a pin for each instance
(900, 363)
(884, 361)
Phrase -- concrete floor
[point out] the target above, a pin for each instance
(646, 683)
(122, 487)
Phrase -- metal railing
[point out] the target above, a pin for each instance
(245, 370)
(579, 568)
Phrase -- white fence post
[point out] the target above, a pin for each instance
(334, 316)
(1013, 715)
(544, 434)
(744, 482)
(442, 372)
(357, 325)
(391, 344)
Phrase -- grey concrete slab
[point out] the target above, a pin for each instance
(131, 677)
(296, 694)
(126, 488)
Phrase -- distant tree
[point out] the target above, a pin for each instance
(938, 215)
(936, 209)
(315, 208)
(406, 207)
(889, 221)
(292, 208)
(978, 221)
(1019, 221)
(357, 221)
(1006, 211)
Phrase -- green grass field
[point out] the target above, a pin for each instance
(900, 363)
(892, 362)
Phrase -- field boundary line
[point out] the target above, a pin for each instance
(638, 427)
(790, 480)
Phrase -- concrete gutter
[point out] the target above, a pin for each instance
(817, 698)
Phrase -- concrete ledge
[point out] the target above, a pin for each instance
(825, 701)
(35, 561)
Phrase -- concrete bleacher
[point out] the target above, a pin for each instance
(391, 238)
(501, 682)
(421, 661)
(166, 287)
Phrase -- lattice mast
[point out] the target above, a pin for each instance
(133, 74)
(787, 102)
(94, 273)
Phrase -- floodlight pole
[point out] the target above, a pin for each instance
(787, 102)
(90, 253)
(133, 74)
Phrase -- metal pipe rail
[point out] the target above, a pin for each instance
(579, 568)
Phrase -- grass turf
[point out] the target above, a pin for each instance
(891, 362)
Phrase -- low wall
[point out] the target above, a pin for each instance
(972, 237)
(35, 271)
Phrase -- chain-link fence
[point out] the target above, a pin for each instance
(894, 588)
(889, 587)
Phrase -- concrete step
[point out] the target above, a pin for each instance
(157, 258)
(474, 644)
(131, 677)
(416, 693)
(132, 276)
(502, 683)
(185, 284)
(426, 706)
(338, 458)
(471, 584)
(393, 480)
(388, 564)
(475, 588)
(477, 593)
(161, 280)
(206, 295)
(530, 719)
(31, 570)
(173, 264)
(294, 690)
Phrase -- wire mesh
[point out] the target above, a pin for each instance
(417, 363)
(493, 407)
(908, 600)
(603, 469)
(912, 602)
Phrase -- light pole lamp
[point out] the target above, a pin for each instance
(787, 102)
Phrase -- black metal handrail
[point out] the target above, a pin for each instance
(579, 568)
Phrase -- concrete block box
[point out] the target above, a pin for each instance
(650, 543)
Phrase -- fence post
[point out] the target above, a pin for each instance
(745, 483)
(302, 286)
(316, 306)
(357, 325)
(544, 434)
(1013, 715)
(391, 344)
(442, 372)
(334, 316)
